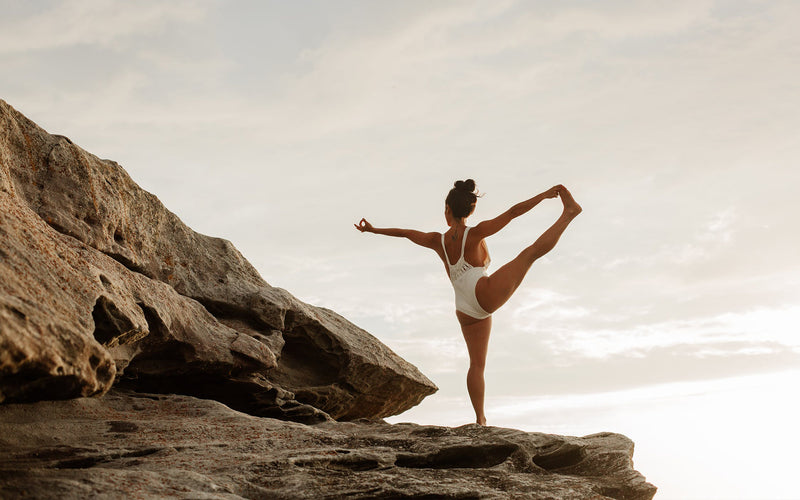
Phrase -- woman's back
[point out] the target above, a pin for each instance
(476, 253)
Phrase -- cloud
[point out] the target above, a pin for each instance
(93, 22)
(581, 403)
(560, 373)
(720, 225)
(541, 306)
(711, 238)
(732, 333)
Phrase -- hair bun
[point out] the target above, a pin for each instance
(467, 185)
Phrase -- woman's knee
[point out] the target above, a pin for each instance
(477, 366)
(536, 251)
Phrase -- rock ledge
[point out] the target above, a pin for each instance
(134, 445)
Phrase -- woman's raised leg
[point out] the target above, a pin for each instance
(493, 291)
(476, 334)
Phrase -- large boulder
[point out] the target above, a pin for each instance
(101, 284)
(134, 445)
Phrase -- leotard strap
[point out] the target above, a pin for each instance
(444, 249)
(464, 242)
(463, 246)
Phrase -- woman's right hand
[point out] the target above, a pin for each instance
(364, 226)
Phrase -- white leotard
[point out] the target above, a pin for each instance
(464, 277)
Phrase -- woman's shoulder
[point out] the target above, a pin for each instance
(473, 234)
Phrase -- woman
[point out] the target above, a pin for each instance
(463, 251)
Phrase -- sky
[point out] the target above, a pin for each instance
(676, 125)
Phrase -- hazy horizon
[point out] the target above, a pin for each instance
(676, 126)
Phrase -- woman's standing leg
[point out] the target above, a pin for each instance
(493, 291)
(476, 334)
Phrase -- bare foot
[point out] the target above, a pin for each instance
(571, 207)
(481, 421)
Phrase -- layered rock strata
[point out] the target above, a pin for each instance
(101, 284)
(134, 445)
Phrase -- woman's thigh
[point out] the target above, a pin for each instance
(476, 334)
(495, 290)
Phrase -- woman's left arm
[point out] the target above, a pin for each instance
(427, 240)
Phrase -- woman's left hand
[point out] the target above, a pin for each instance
(364, 226)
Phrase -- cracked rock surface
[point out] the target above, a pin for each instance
(135, 445)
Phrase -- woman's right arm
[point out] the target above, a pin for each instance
(427, 240)
(491, 226)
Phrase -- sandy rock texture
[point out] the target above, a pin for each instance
(100, 284)
(136, 445)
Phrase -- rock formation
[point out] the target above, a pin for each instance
(134, 445)
(104, 292)
(100, 282)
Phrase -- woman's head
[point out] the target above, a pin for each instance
(461, 199)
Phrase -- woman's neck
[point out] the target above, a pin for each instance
(458, 223)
